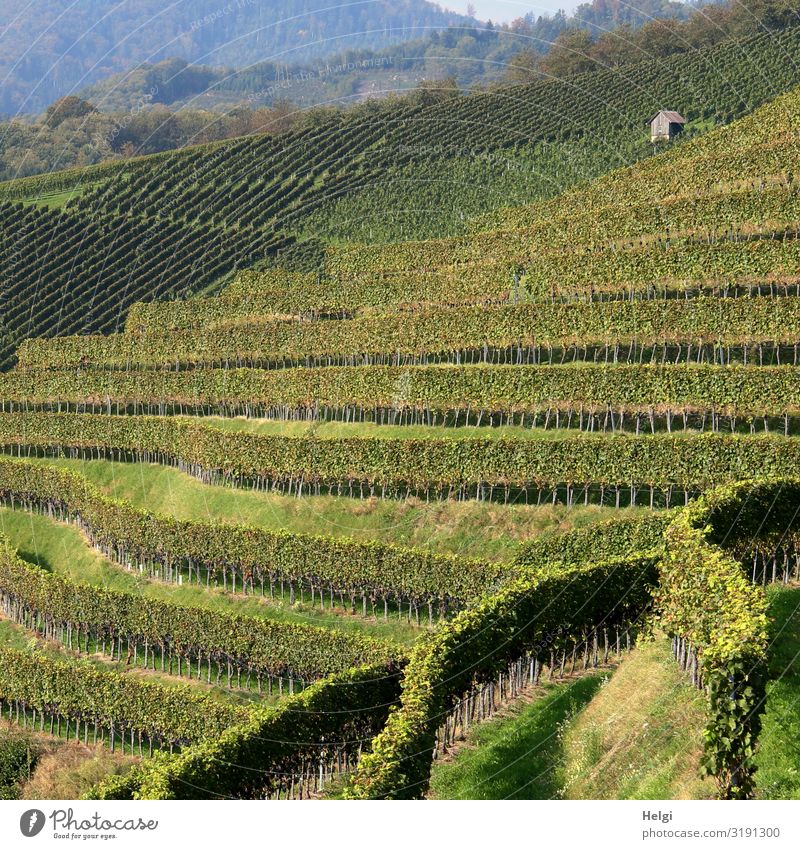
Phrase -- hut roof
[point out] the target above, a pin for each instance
(672, 116)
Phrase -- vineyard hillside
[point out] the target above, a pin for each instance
(180, 223)
(301, 535)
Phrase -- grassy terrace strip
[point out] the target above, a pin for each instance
(540, 617)
(93, 619)
(336, 570)
(97, 704)
(640, 470)
(289, 751)
(717, 614)
(525, 334)
(585, 395)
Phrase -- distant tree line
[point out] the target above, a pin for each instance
(172, 104)
(584, 46)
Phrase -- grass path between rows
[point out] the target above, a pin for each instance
(470, 529)
(630, 733)
(515, 754)
(38, 765)
(62, 549)
(344, 430)
(778, 756)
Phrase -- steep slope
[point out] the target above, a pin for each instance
(351, 358)
(177, 223)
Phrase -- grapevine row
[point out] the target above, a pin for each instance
(101, 706)
(700, 329)
(289, 752)
(619, 469)
(199, 643)
(335, 571)
(580, 395)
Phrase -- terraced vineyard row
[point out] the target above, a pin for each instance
(611, 469)
(251, 560)
(587, 396)
(106, 707)
(701, 329)
(721, 636)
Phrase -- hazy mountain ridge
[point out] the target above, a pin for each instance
(472, 54)
(53, 47)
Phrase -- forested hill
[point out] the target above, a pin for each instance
(52, 47)
(471, 55)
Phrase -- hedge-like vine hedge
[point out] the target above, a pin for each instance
(285, 752)
(561, 224)
(529, 615)
(719, 616)
(252, 301)
(609, 540)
